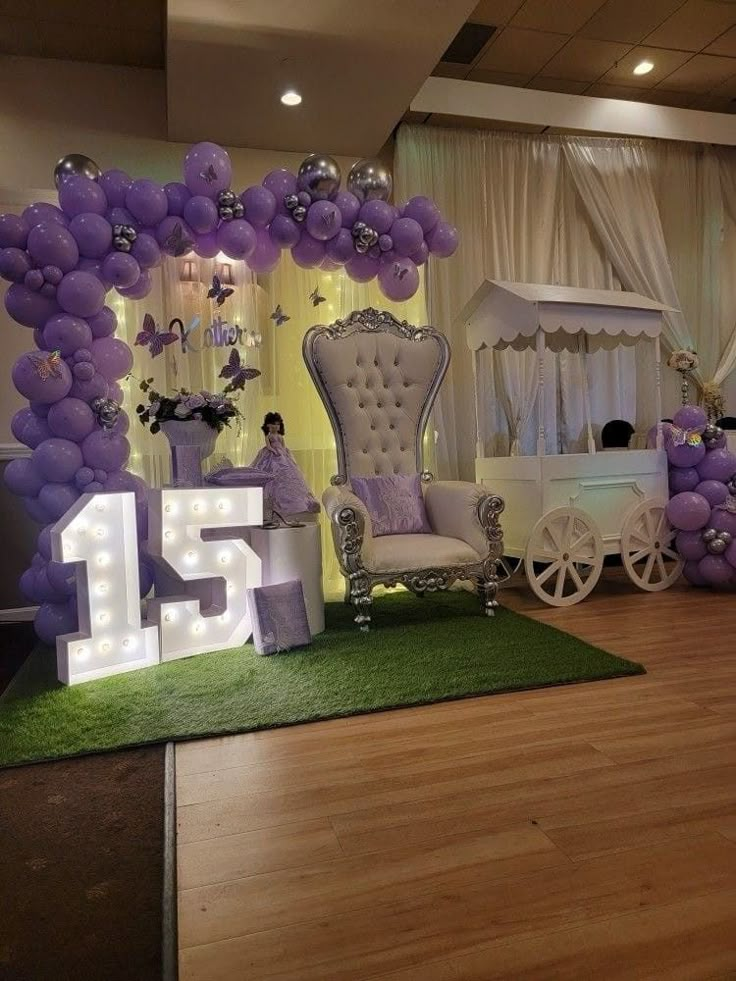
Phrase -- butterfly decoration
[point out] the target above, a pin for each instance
(176, 241)
(328, 219)
(728, 505)
(218, 292)
(315, 297)
(682, 437)
(400, 271)
(253, 338)
(209, 174)
(237, 372)
(47, 366)
(152, 338)
(279, 317)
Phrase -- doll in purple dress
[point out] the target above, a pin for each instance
(288, 490)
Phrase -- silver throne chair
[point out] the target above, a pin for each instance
(378, 379)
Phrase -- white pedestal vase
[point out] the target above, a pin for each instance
(191, 442)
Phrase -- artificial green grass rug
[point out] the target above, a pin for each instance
(419, 651)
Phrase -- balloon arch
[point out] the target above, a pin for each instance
(109, 231)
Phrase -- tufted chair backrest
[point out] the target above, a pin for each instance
(378, 378)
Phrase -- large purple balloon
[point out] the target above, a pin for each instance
(78, 195)
(14, 264)
(265, 257)
(398, 279)
(716, 570)
(723, 521)
(121, 216)
(27, 585)
(349, 207)
(115, 184)
(207, 169)
(683, 479)
(13, 232)
(717, 465)
(57, 459)
(94, 268)
(22, 478)
(206, 245)
(323, 220)
(280, 183)
(201, 214)
(259, 204)
(407, 236)
(37, 511)
(66, 334)
(362, 268)
(93, 235)
(690, 545)
(56, 499)
(173, 234)
(29, 429)
(341, 249)
(308, 252)
(103, 323)
(121, 269)
(51, 244)
(29, 308)
(423, 210)
(112, 357)
(177, 194)
(71, 418)
(54, 619)
(285, 232)
(105, 451)
(378, 215)
(81, 294)
(146, 200)
(34, 214)
(684, 455)
(691, 417)
(29, 379)
(146, 252)
(140, 288)
(691, 572)
(713, 491)
(443, 239)
(237, 239)
(688, 511)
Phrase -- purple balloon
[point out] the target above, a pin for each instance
(177, 194)
(112, 357)
(716, 570)
(103, 323)
(362, 268)
(29, 308)
(51, 244)
(83, 371)
(121, 269)
(285, 232)
(27, 585)
(78, 195)
(57, 459)
(62, 577)
(145, 577)
(45, 591)
(14, 264)
(115, 184)
(688, 511)
(423, 210)
(52, 274)
(259, 204)
(324, 220)
(34, 214)
(140, 288)
(122, 424)
(329, 265)
(29, 429)
(33, 279)
(120, 216)
(114, 391)
(691, 572)
(66, 334)
(94, 268)
(717, 465)
(105, 450)
(713, 491)
(43, 543)
(94, 388)
(308, 252)
(406, 235)
(207, 169)
(146, 200)
(81, 294)
(237, 239)
(280, 183)
(13, 232)
(37, 511)
(691, 417)
(684, 455)
(173, 234)
(206, 245)
(690, 545)
(71, 418)
(93, 235)
(56, 499)
(201, 214)
(265, 257)
(146, 252)
(123, 480)
(723, 521)
(378, 215)
(349, 207)
(398, 279)
(94, 488)
(340, 249)
(443, 239)
(683, 479)
(22, 478)
(84, 477)
(421, 255)
(28, 379)
(54, 619)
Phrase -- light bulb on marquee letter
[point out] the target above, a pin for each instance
(99, 532)
(206, 609)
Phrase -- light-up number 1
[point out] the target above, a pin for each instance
(99, 530)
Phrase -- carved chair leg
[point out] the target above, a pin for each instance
(348, 595)
(487, 589)
(360, 597)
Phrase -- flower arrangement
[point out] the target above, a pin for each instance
(683, 360)
(216, 410)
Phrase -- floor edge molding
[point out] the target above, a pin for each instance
(169, 939)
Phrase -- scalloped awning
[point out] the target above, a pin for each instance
(502, 314)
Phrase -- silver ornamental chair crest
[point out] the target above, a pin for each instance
(378, 378)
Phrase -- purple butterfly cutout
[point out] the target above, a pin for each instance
(279, 316)
(176, 242)
(218, 292)
(209, 174)
(152, 338)
(237, 372)
(399, 271)
(315, 297)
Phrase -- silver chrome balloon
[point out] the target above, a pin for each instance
(75, 165)
(710, 535)
(319, 175)
(370, 180)
(107, 412)
(717, 546)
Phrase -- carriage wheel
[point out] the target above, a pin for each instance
(648, 547)
(564, 556)
(507, 568)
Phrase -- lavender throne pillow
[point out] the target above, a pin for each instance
(395, 503)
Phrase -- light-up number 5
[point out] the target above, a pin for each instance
(99, 530)
(206, 609)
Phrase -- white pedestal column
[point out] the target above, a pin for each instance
(293, 553)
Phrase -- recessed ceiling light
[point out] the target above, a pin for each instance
(643, 68)
(291, 98)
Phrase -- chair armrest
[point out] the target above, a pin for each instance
(459, 509)
(352, 531)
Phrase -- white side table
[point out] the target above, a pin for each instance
(293, 553)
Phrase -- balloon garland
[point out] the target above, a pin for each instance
(109, 230)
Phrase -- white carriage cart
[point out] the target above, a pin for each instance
(565, 513)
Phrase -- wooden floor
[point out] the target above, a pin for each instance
(578, 832)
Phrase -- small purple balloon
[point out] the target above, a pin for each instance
(81, 293)
(684, 455)
(115, 184)
(688, 511)
(33, 280)
(30, 380)
(323, 220)
(112, 357)
(120, 216)
(78, 195)
(201, 214)
(716, 570)
(146, 200)
(43, 543)
(285, 232)
(237, 239)
(121, 269)
(13, 232)
(423, 210)
(421, 255)
(691, 417)
(280, 183)
(265, 257)
(341, 249)
(378, 215)
(104, 323)
(21, 476)
(29, 308)
(83, 371)
(93, 235)
(114, 391)
(57, 459)
(714, 491)
(14, 264)
(716, 465)
(690, 545)
(362, 268)
(206, 245)
(207, 169)
(146, 252)
(349, 207)
(51, 244)
(52, 274)
(62, 577)
(84, 477)
(54, 619)
(308, 252)
(105, 451)
(443, 239)
(140, 288)
(71, 418)
(683, 479)
(177, 194)
(406, 235)
(260, 205)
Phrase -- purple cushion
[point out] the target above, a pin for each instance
(279, 617)
(395, 503)
(239, 477)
